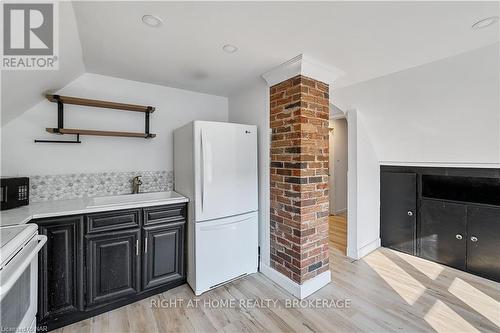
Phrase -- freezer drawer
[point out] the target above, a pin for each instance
(225, 249)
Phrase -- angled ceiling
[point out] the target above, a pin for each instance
(364, 39)
(21, 90)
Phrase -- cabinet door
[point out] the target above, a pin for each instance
(443, 232)
(483, 242)
(398, 203)
(60, 267)
(112, 266)
(163, 254)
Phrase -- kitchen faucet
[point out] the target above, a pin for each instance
(136, 182)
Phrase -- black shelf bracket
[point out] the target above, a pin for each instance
(77, 140)
(60, 112)
(60, 124)
(146, 126)
(147, 135)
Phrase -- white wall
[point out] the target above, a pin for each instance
(443, 113)
(447, 111)
(338, 166)
(251, 106)
(363, 213)
(174, 107)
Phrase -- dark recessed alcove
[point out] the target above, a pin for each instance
(467, 189)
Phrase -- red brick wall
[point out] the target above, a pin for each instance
(299, 178)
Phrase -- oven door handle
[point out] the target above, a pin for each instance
(19, 267)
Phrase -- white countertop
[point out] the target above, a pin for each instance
(54, 208)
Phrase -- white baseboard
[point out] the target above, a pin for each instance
(363, 251)
(370, 247)
(316, 283)
(300, 291)
(351, 253)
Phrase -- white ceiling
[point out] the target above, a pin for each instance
(364, 39)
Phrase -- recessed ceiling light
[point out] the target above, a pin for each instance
(228, 48)
(485, 22)
(152, 21)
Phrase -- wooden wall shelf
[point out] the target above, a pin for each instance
(98, 133)
(99, 104)
(61, 100)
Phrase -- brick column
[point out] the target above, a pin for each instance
(299, 187)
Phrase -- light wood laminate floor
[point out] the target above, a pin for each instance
(388, 292)
(338, 232)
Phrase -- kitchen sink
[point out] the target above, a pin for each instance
(117, 200)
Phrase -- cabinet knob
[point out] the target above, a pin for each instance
(458, 236)
(474, 239)
(410, 213)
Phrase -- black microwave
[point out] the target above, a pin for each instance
(14, 192)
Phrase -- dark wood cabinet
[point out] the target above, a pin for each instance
(443, 234)
(112, 221)
(457, 215)
(112, 263)
(163, 254)
(164, 214)
(398, 205)
(483, 241)
(97, 262)
(60, 271)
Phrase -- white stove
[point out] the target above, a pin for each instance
(19, 247)
(12, 238)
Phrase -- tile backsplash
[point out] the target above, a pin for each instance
(80, 185)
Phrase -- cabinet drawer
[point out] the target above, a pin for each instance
(117, 220)
(162, 214)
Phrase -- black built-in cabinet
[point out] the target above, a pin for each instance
(483, 243)
(443, 232)
(97, 262)
(447, 215)
(400, 225)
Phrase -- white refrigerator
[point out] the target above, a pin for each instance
(215, 166)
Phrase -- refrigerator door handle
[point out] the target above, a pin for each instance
(207, 160)
(202, 166)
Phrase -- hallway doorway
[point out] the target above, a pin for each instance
(338, 184)
(338, 232)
